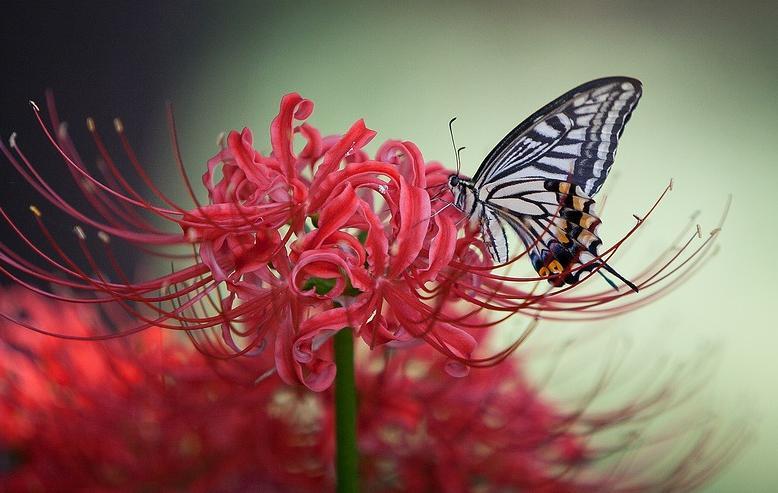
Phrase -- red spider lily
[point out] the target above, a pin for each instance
(148, 413)
(493, 431)
(294, 246)
(139, 413)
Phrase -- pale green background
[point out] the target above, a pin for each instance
(707, 120)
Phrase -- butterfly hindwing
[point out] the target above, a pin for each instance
(494, 232)
(555, 221)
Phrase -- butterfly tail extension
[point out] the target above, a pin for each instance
(608, 280)
(621, 278)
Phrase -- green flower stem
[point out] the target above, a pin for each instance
(347, 458)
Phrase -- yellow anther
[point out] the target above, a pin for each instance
(35, 211)
(555, 267)
(544, 272)
(562, 237)
(90, 123)
(564, 187)
(118, 125)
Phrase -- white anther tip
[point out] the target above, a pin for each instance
(79, 232)
(12, 140)
(104, 237)
(34, 106)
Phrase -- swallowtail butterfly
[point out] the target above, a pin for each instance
(540, 179)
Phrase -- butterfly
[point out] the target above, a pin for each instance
(540, 179)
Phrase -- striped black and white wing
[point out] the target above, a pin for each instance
(571, 139)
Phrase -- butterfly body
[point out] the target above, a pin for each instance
(540, 179)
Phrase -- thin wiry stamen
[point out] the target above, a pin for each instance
(290, 247)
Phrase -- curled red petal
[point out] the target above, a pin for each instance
(356, 137)
(312, 349)
(408, 157)
(376, 243)
(358, 175)
(285, 364)
(327, 264)
(281, 130)
(338, 210)
(414, 221)
(442, 247)
(313, 147)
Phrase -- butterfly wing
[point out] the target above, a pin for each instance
(540, 178)
(573, 138)
(554, 219)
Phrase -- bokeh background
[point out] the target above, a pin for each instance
(707, 120)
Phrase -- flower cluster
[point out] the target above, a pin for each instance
(299, 243)
(148, 412)
(141, 413)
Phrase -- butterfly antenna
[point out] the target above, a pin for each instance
(453, 143)
(619, 276)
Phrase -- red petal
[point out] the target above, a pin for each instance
(356, 137)
(442, 247)
(414, 221)
(408, 157)
(357, 174)
(376, 243)
(314, 369)
(292, 106)
(338, 210)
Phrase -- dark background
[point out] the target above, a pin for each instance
(99, 58)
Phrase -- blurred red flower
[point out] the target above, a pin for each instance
(293, 246)
(148, 413)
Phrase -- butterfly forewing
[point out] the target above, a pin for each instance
(573, 138)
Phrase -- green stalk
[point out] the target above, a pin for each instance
(347, 458)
